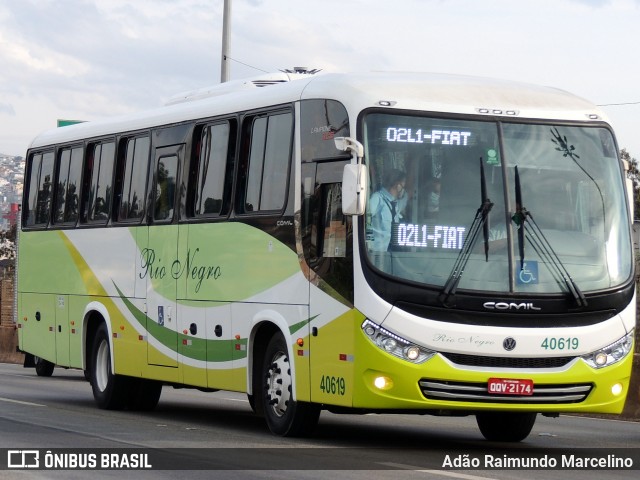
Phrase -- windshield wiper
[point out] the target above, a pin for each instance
(486, 208)
(528, 227)
(519, 218)
(480, 221)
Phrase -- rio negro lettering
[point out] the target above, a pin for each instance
(156, 269)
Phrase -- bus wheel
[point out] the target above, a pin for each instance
(109, 390)
(44, 368)
(143, 395)
(505, 426)
(284, 416)
(252, 402)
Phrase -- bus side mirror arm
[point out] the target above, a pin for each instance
(354, 178)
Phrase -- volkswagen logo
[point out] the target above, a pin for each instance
(509, 343)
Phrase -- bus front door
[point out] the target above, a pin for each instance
(162, 249)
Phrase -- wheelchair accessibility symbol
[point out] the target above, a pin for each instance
(528, 274)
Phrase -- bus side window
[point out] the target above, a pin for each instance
(166, 176)
(133, 174)
(31, 193)
(212, 173)
(98, 183)
(67, 186)
(86, 193)
(327, 238)
(334, 223)
(265, 169)
(38, 197)
(321, 120)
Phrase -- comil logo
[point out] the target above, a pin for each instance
(509, 306)
(23, 459)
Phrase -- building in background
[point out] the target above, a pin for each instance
(11, 180)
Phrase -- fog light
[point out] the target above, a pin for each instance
(616, 389)
(383, 383)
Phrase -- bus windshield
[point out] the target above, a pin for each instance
(496, 206)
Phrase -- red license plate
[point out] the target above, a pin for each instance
(510, 386)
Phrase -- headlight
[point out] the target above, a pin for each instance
(395, 345)
(611, 354)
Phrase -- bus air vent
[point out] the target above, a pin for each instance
(266, 83)
(505, 362)
(477, 392)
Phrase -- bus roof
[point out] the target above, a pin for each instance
(406, 91)
(455, 94)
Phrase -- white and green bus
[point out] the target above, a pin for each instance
(389, 243)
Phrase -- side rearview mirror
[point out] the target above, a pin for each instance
(354, 178)
(354, 189)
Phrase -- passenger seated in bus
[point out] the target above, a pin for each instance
(433, 201)
(385, 207)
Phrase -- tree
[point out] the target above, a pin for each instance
(634, 174)
(8, 242)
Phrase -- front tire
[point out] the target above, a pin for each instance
(44, 368)
(505, 426)
(109, 390)
(252, 402)
(284, 416)
(143, 395)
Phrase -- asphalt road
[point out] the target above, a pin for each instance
(193, 434)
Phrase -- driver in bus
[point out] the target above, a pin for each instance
(385, 207)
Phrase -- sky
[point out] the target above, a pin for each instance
(91, 59)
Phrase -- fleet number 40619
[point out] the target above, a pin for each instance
(333, 385)
(560, 343)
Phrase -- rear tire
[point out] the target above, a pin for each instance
(284, 416)
(44, 368)
(505, 426)
(109, 390)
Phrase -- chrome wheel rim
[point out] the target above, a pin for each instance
(279, 384)
(102, 366)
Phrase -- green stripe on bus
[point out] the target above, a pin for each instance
(201, 349)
